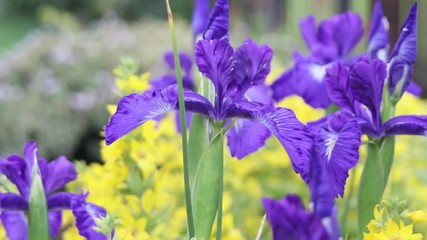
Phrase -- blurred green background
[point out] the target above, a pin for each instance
(57, 57)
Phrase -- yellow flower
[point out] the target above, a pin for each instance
(417, 216)
(398, 232)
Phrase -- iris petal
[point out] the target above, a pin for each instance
(217, 27)
(15, 169)
(292, 134)
(59, 172)
(135, 109)
(85, 214)
(200, 16)
(60, 201)
(404, 52)
(252, 64)
(406, 125)
(378, 42)
(337, 84)
(366, 84)
(246, 137)
(55, 220)
(13, 202)
(15, 225)
(338, 142)
(215, 60)
(290, 221)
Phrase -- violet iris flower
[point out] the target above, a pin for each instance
(55, 175)
(232, 73)
(288, 218)
(358, 90)
(332, 40)
(238, 77)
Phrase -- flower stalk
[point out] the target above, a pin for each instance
(187, 186)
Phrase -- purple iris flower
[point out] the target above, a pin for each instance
(288, 218)
(55, 175)
(358, 91)
(232, 74)
(238, 77)
(332, 40)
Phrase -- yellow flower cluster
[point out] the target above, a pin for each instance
(141, 181)
(385, 225)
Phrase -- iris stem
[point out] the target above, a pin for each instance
(187, 187)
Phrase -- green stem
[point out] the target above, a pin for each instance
(187, 186)
(348, 200)
(371, 187)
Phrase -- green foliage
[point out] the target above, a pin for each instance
(54, 85)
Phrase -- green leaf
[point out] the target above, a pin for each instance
(371, 187)
(38, 223)
(208, 178)
(387, 153)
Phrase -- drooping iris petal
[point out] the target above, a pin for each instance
(246, 137)
(135, 109)
(322, 195)
(12, 202)
(292, 134)
(252, 64)
(337, 85)
(55, 220)
(378, 42)
(290, 221)
(337, 143)
(406, 125)
(15, 224)
(366, 84)
(404, 53)
(215, 60)
(217, 27)
(85, 214)
(200, 16)
(184, 59)
(60, 201)
(59, 172)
